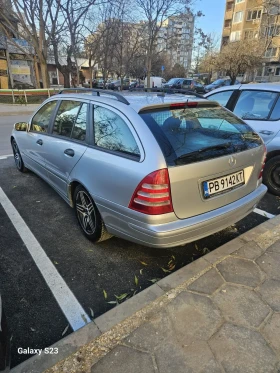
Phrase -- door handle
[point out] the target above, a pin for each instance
(69, 152)
(39, 142)
(265, 132)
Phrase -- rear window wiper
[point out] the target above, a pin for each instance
(203, 150)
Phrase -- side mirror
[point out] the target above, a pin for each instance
(21, 126)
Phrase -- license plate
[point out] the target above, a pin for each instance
(223, 183)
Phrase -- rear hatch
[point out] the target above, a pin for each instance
(213, 157)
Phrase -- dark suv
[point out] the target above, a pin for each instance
(184, 83)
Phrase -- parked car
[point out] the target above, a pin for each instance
(4, 343)
(259, 106)
(164, 170)
(197, 87)
(184, 83)
(135, 85)
(219, 83)
(116, 84)
(100, 83)
(155, 82)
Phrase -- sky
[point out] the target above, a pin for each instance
(213, 11)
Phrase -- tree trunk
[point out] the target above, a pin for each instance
(149, 69)
(37, 75)
(66, 77)
(45, 74)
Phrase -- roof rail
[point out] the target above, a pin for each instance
(162, 91)
(118, 96)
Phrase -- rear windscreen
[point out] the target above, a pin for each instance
(195, 134)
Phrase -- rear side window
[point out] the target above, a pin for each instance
(255, 105)
(221, 97)
(41, 119)
(71, 120)
(112, 133)
(275, 115)
(194, 134)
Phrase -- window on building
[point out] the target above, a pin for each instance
(238, 16)
(254, 14)
(251, 34)
(277, 71)
(271, 52)
(273, 30)
(235, 35)
(238, 1)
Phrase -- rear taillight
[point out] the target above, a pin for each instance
(263, 163)
(179, 105)
(153, 195)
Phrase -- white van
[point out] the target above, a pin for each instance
(155, 82)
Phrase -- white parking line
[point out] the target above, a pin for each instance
(69, 305)
(264, 213)
(6, 156)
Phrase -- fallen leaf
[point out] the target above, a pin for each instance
(91, 312)
(55, 262)
(172, 267)
(112, 302)
(136, 280)
(144, 264)
(196, 247)
(33, 330)
(173, 257)
(154, 280)
(141, 271)
(165, 270)
(122, 296)
(105, 294)
(65, 330)
(84, 318)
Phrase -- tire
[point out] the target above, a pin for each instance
(17, 157)
(88, 216)
(271, 175)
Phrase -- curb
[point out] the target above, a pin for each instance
(100, 336)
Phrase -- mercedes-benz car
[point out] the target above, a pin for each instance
(159, 170)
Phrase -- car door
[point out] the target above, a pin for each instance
(31, 143)
(67, 142)
(259, 109)
(186, 84)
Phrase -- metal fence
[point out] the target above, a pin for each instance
(25, 97)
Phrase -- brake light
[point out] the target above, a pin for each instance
(179, 105)
(263, 163)
(153, 195)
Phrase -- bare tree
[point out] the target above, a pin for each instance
(155, 13)
(238, 58)
(33, 17)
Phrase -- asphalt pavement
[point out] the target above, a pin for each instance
(98, 275)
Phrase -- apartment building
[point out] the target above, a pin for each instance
(255, 19)
(175, 38)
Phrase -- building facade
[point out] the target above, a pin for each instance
(256, 19)
(175, 38)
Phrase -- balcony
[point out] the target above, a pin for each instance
(226, 31)
(229, 14)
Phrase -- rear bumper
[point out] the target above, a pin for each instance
(182, 231)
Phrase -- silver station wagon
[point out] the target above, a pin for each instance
(158, 170)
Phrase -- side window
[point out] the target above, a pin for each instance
(70, 118)
(79, 130)
(112, 133)
(221, 97)
(275, 115)
(41, 119)
(254, 105)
